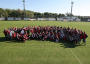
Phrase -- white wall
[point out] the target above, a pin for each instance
(26, 18)
(88, 20)
(45, 19)
(10, 18)
(48, 19)
(17, 18)
(2, 18)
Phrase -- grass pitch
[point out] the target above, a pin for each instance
(43, 52)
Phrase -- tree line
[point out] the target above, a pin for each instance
(15, 13)
(31, 14)
(28, 14)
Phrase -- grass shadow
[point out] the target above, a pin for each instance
(68, 44)
(65, 44)
(3, 39)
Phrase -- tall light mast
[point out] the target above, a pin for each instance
(71, 15)
(72, 7)
(24, 15)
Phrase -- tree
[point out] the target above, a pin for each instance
(8, 12)
(29, 14)
(37, 15)
(69, 14)
(2, 12)
(46, 15)
(61, 15)
(55, 15)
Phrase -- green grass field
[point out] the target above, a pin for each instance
(43, 52)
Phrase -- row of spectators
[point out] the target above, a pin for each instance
(51, 33)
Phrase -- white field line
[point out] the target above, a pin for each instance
(76, 57)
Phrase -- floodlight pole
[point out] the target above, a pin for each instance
(24, 15)
(71, 8)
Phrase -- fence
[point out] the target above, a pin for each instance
(42, 19)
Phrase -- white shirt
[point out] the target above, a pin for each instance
(11, 33)
(22, 32)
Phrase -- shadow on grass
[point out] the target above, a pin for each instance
(3, 39)
(65, 44)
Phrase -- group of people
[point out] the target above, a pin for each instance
(20, 34)
(51, 33)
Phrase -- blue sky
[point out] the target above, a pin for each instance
(81, 7)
